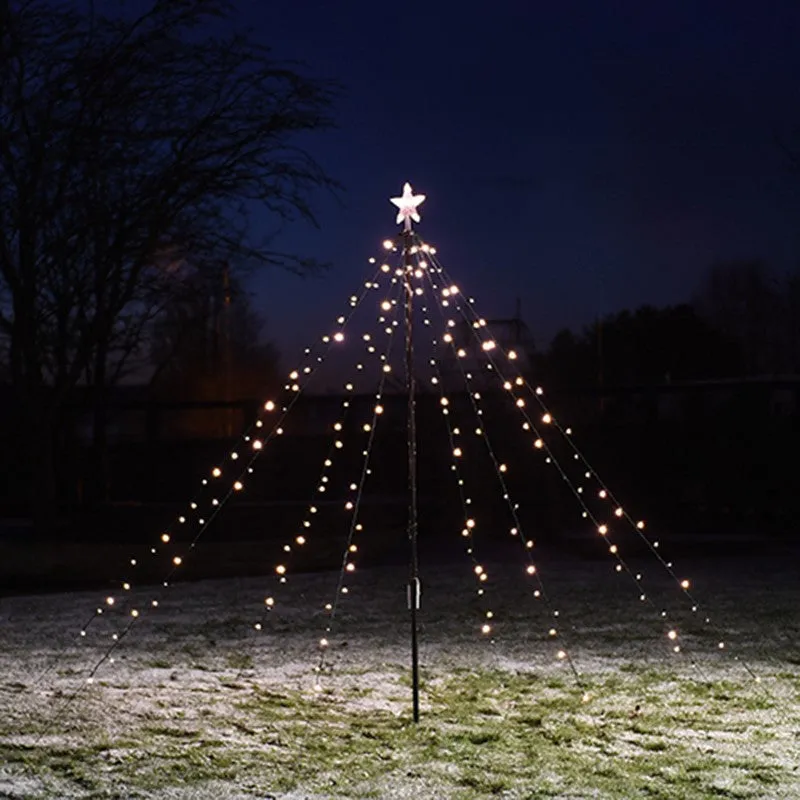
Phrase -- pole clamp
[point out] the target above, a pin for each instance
(414, 590)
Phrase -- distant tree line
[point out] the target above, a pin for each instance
(743, 322)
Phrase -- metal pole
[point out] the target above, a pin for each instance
(413, 575)
(226, 346)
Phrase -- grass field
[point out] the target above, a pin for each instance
(197, 704)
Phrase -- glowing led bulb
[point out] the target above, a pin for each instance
(684, 584)
(457, 452)
(672, 635)
(486, 628)
(110, 601)
(216, 472)
(280, 569)
(386, 305)
(177, 561)
(530, 569)
(603, 530)
(512, 355)
(257, 444)
(338, 336)
(547, 419)
(237, 486)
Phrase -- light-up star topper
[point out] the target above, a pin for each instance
(408, 206)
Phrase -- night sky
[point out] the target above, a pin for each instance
(582, 156)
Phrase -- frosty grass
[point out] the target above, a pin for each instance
(198, 704)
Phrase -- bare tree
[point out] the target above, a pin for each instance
(749, 305)
(126, 144)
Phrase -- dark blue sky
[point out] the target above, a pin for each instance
(584, 156)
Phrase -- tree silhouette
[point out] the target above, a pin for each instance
(756, 309)
(646, 346)
(128, 144)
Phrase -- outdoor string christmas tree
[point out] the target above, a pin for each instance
(416, 280)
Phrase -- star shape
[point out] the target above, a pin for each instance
(407, 205)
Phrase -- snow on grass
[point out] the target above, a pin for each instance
(197, 704)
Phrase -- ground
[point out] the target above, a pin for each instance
(199, 704)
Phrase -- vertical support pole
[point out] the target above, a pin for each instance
(226, 347)
(413, 575)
